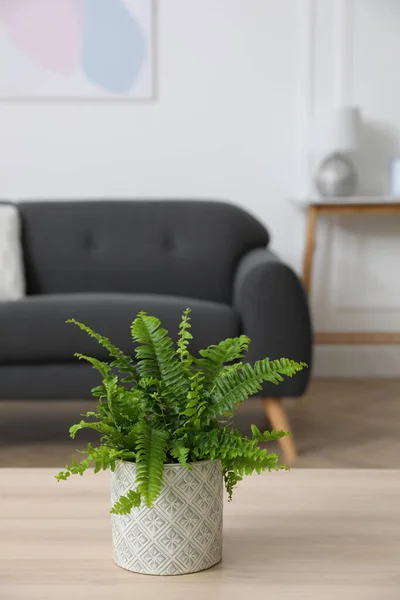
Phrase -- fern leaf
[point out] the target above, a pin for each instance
(156, 356)
(181, 453)
(151, 449)
(231, 479)
(230, 368)
(232, 388)
(213, 358)
(124, 504)
(224, 443)
(102, 367)
(236, 386)
(272, 370)
(194, 394)
(99, 426)
(268, 436)
(99, 391)
(103, 458)
(129, 404)
(259, 462)
(238, 454)
(123, 363)
(184, 336)
(109, 388)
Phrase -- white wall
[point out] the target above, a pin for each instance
(238, 81)
(222, 126)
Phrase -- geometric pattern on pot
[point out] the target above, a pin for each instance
(182, 531)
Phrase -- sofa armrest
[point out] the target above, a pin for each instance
(274, 312)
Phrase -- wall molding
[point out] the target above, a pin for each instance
(306, 18)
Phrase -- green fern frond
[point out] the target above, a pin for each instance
(99, 426)
(129, 404)
(259, 462)
(230, 368)
(224, 444)
(268, 436)
(75, 468)
(114, 392)
(184, 336)
(122, 362)
(99, 391)
(181, 453)
(109, 388)
(100, 366)
(124, 504)
(151, 383)
(238, 454)
(231, 479)
(130, 436)
(234, 470)
(213, 358)
(196, 402)
(103, 458)
(272, 370)
(234, 387)
(157, 399)
(156, 356)
(151, 450)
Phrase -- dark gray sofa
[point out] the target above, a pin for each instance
(102, 262)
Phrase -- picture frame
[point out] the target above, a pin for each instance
(77, 50)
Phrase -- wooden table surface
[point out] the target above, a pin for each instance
(303, 534)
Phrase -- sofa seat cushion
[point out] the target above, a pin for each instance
(33, 330)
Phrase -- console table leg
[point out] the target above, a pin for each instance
(309, 249)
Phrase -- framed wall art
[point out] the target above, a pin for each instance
(77, 49)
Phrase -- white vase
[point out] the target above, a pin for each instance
(182, 532)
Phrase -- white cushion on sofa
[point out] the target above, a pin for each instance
(12, 279)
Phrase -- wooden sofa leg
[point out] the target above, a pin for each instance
(276, 415)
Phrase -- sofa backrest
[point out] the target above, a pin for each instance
(175, 247)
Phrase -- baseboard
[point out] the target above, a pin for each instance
(356, 361)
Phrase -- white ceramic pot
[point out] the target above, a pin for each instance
(182, 532)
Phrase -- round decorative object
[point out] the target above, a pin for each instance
(336, 176)
(182, 532)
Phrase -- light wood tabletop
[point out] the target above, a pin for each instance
(304, 535)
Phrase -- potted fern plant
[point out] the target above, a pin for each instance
(167, 437)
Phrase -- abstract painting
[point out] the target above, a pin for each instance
(76, 49)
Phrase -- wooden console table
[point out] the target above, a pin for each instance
(345, 206)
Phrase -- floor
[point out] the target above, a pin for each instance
(339, 423)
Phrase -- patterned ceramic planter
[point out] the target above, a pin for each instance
(182, 532)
